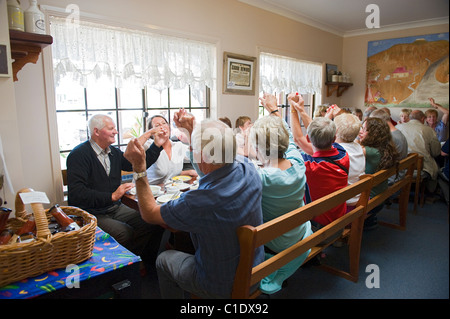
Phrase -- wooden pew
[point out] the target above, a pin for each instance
(252, 237)
(410, 163)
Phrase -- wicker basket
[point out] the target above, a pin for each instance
(48, 252)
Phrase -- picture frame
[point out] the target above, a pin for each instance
(238, 74)
(331, 69)
(5, 65)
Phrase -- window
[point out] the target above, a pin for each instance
(286, 109)
(127, 74)
(282, 75)
(129, 107)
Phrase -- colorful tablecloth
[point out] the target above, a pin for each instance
(108, 255)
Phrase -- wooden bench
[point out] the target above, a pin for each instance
(403, 185)
(252, 237)
(419, 189)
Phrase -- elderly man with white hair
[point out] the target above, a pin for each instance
(94, 184)
(228, 196)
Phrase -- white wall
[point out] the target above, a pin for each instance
(9, 119)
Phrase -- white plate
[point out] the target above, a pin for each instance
(156, 190)
(182, 186)
(166, 198)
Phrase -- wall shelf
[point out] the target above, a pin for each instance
(339, 87)
(26, 47)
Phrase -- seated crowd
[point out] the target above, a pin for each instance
(264, 170)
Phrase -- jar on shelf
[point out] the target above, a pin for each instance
(15, 16)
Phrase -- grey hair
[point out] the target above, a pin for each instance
(215, 140)
(270, 137)
(347, 127)
(381, 114)
(321, 132)
(97, 121)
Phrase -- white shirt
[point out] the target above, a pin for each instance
(357, 165)
(165, 168)
(102, 156)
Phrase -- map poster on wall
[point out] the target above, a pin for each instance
(405, 72)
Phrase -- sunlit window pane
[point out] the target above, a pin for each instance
(130, 97)
(69, 95)
(179, 98)
(63, 159)
(101, 95)
(198, 98)
(156, 98)
(130, 125)
(72, 129)
(199, 114)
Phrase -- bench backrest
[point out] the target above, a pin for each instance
(252, 237)
(403, 185)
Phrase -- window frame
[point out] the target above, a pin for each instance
(117, 109)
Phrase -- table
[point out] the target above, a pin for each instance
(132, 202)
(181, 240)
(112, 271)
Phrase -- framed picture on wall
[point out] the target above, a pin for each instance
(331, 69)
(238, 74)
(5, 69)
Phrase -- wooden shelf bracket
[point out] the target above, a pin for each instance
(25, 48)
(338, 87)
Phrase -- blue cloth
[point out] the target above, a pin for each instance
(226, 198)
(108, 255)
(441, 131)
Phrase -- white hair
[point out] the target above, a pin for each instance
(270, 138)
(97, 121)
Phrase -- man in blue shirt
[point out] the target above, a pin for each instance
(228, 196)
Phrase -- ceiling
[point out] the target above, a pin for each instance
(348, 17)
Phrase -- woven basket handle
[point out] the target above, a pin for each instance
(40, 217)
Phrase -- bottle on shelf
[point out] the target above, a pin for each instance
(34, 19)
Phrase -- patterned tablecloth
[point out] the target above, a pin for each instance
(108, 255)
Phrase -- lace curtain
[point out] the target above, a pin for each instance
(89, 51)
(278, 73)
